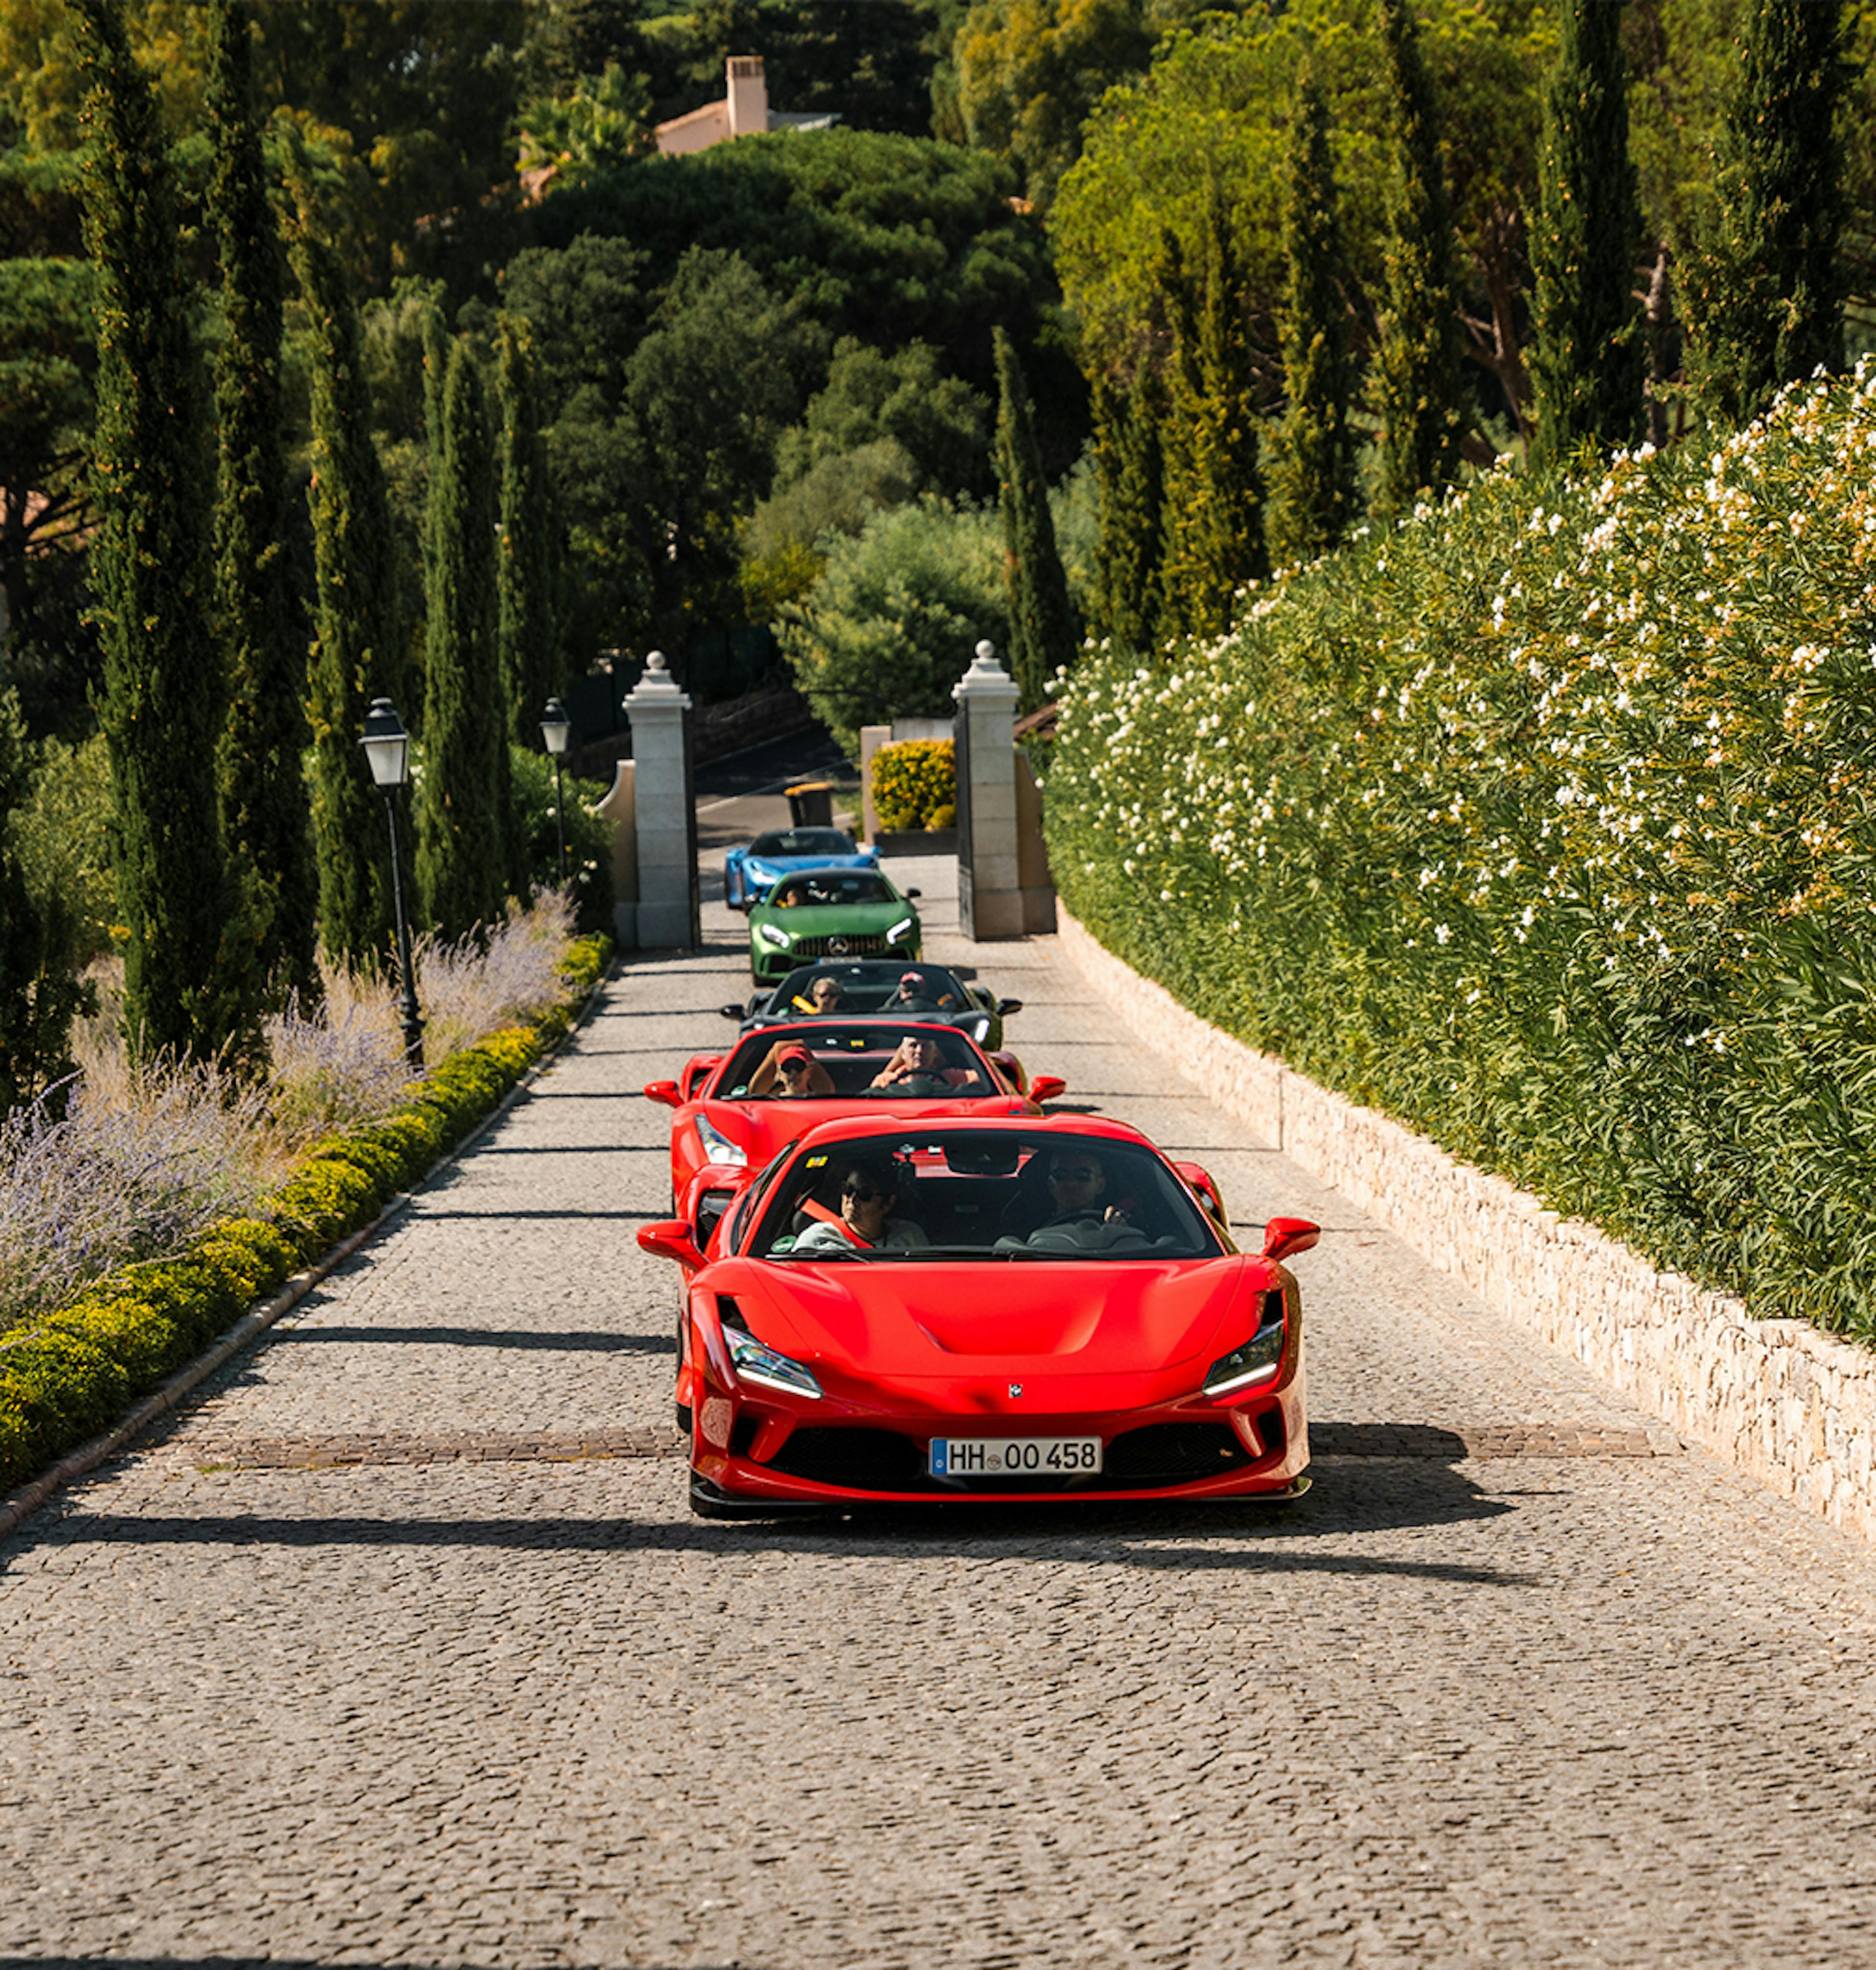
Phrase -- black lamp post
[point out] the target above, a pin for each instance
(388, 751)
(557, 731)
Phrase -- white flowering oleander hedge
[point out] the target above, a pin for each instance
(1546, 823)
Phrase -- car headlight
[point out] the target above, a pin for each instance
(773, 934)
(763, 1366)
(1257, 1360)
(901, 929)
(978, 1027)
(717, 1147)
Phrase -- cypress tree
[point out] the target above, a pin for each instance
(263, 790)
(1214, 491)
(1041, 621)
(1417, 385)
(1128, 416)
(529, 571)
(1312, 461)
(1763, 295)
(188, 959)
(358, 648)
(462, 796)
(40, 989)
(1589, 358)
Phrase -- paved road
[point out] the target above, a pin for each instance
(464, 1697)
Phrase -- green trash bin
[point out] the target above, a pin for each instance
(810, 805)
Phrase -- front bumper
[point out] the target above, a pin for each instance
(752, 1454)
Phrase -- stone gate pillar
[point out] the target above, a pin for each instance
(664, 810)
(993, 898)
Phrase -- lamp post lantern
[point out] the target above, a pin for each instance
(388, 752)
(557, 732)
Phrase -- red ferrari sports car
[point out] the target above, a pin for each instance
(915, 1311)
(736, 1110)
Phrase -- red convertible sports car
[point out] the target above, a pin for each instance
(906, 1311)
(736, 1110)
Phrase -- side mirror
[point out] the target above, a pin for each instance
(1005, 1006)
(731, 1012)
(911, 893)
(665, 1091)
(672, 1238)
(1285, 1237)
(1047, 1087)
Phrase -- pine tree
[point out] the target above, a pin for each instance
(1763, 293)
(359, 645)
(1041, 620)
(1312, 456)
(1589, 357)
(528, 570)
(1214, 491)
(263, 790)
(40, 989)
(189, 979)
(1128, 417)
(462, 798)
(1417, 385)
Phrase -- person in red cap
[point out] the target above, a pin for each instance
(791, 1070)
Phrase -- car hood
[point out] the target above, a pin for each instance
(902, 1320)
(830, 919)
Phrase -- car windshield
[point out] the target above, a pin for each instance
(870, 985)
(876, 1060)
(804, 841)
(988, 1196)
(824, 889)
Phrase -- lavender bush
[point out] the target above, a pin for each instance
(105, 1183)
(142, 1160)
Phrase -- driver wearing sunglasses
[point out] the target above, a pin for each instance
(869, 1200)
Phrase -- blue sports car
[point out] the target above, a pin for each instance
(749, 872)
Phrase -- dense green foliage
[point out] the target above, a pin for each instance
(39, 988)
(1764, 294)
(1212, 526)
(358, 649)
(69, 1375)
(463, 792)
(189, 973)
(1588, 356)
(1543, 823)
(890, 625)
(1312, 469)
(1417, 386)
(257, 619)
(1130, 417)
(63, 835)
(1043, 635)
(915, 784)
(589, 839)
(527, 569)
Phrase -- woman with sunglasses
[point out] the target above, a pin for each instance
(869, 1199)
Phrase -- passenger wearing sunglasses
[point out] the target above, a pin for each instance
(869, 1199)
(790, 1071)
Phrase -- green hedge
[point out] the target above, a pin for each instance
(68, 1376)
(1545, 823)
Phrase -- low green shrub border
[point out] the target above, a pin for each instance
(70, 1376)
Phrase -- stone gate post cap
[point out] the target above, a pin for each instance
(658, 689)
(985, 678)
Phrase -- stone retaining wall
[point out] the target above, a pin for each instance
(1781, 1401)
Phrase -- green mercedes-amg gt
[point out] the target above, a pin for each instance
(817, 913)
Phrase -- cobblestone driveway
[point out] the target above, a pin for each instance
(1519, 1683)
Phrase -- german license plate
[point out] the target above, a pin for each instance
(1015, 1456)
